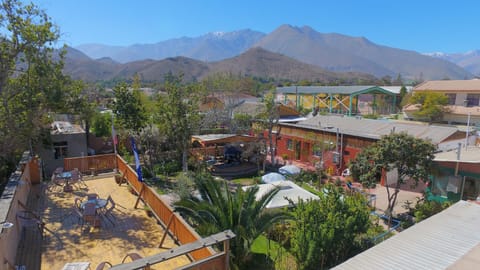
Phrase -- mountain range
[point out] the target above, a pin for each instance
(291, 52)
(468, 60)
(256, 62)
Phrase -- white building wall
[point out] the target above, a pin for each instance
(460, 98)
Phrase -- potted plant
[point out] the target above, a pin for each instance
(119, 178)
(132, 190)
(148, 211)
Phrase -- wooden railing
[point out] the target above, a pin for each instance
(178, 228)
(173, 222)
(91, 164)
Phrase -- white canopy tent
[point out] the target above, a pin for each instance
(272, 177)
(288, 191)
(289, 170)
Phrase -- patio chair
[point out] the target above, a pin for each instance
(78, 203)
(92, 196)
(79, 215)
(133, 257)
(102, 265)
(55, 183)
(77, 177)
(108, 210)
(58, 170)
(90, 215)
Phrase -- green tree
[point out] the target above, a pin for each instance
(410, 157)
(178, 115)
(102, 125)
(432, 105)
(269, 118)
(128, 108)
(402, 100)
(31, 81)
(330, 230)
(219, 210)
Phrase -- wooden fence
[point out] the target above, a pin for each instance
(174, 224)
(91, 164)
(179, 229)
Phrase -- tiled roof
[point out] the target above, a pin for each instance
(450, 85)
(374, 129)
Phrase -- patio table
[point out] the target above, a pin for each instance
(99, 203)
(66, 176)
(76, 266)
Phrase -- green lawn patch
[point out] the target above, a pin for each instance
(270, 255)
(244, 181)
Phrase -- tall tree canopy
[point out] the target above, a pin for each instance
(409, 156)
(129, 109)
(31, 81)
(329, 231)
(270, 117)
(178, 115)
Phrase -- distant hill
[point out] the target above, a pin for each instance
(334, 52)
(256, 62)
(338, 52)
(468, 60)
(262, 63)
(210, 47)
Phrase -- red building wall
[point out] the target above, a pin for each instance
(306, 140)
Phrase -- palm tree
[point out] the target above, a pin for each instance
(219, 210)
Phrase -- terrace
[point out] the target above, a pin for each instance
(164, 241)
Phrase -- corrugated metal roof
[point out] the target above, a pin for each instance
(374, 129)
(213, 137)
(450, 85)
(345, 90)
(435, 243)
(469, 155)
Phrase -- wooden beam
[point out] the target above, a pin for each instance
(139, 195)
(170, 220)
(175, 252)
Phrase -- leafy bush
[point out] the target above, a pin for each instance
(306, 177)
(370, 116)
(427, 209)
(169, 167)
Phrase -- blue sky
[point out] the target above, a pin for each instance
(423, 26)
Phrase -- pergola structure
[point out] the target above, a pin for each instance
(334, 99)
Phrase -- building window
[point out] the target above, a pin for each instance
(317, 150)
(451, 98)
(472, 99)
(289, 144)
(60, 149)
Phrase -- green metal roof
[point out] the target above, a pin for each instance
(342, 90)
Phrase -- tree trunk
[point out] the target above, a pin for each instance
(185, 160)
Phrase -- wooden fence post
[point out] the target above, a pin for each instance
(140, 195)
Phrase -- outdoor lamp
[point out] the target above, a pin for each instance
(6, 225)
